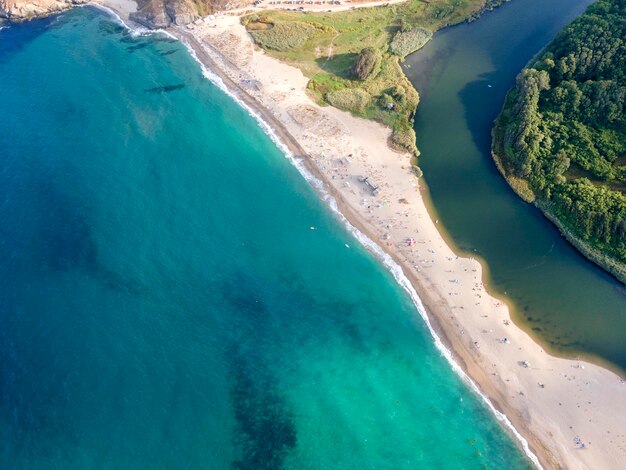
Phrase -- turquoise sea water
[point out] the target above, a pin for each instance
(163, 302)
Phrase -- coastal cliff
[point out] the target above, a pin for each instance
(25, 9)
(162, 13)
(150, 13)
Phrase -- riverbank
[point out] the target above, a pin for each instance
(594, 255)
(552, 400)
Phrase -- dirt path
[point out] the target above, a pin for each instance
(330, 48)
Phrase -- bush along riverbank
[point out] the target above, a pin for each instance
(560, 140)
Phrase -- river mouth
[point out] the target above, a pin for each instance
(566, 302)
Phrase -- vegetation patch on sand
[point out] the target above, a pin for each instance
(283, 36)
(327, 50)
(407, 42)
(350, 99)
(561, 137)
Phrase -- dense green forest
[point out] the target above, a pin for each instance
(561, 137)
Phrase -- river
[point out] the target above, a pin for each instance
(566, 302)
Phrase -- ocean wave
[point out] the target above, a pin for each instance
(136, 30)
(369, 244)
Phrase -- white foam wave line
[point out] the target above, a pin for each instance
(400, 277)
(136, 30)
(385, 258)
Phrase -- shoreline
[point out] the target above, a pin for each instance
(546, 430)
(355, 223)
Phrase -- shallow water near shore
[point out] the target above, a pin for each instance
(164, 302)
(564, 300)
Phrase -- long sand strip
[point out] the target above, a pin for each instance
(556, 404)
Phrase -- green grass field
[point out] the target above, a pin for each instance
(325, 46)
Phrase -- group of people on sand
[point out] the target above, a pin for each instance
(580, 444)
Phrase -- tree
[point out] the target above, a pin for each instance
(561, 136)
(367, 62)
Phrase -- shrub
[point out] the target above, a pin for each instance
(249, 19)
(258, 26)
(367, 62)
(285, 36)
(385, 100)
(404, 139)
(350, 99)
(404, 43)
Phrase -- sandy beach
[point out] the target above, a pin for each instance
(122, 8)
(556, 404)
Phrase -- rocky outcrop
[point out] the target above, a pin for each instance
(181, 12)
(162, 13)
(25, 9)
(150, 13)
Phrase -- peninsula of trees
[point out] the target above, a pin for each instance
(560, 140)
